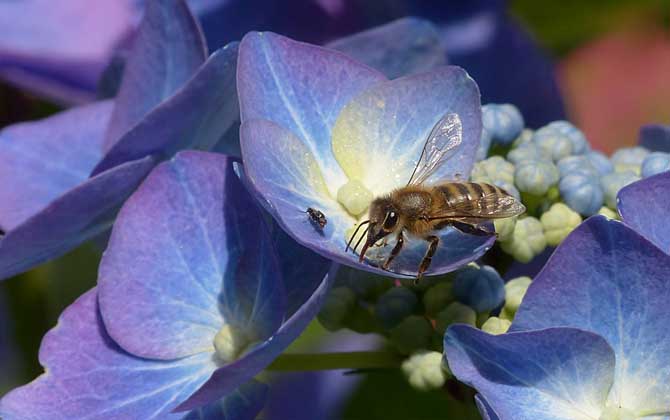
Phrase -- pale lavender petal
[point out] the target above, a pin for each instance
(188, 253)
(87, 376)
(196, 117)
(300, 87)
(42, 160)
(645, 205)
(167, 50)
(75, 217)
(404, 46)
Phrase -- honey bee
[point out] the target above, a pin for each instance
(317, 217)
(420, 210)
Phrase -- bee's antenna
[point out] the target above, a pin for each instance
(354, 235)
(365, 232)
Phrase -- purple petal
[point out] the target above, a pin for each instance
(189, 253)
(655, 137)
(228, 377)
(196, 117)
(644, 205)
(76, 216)
(168, 49)
(404, 46)
(485, 409)
(242, 404)
(59, 49)
(41, 160)
(552, 374)
(300, 87)
(379, 135)
(607, 279)
(88, 376)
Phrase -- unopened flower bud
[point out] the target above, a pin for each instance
(600, 162)
(558, 222)
(527, 241)
(413, 333)
(484, 145)
(535, 176)
(503, 121)
(424, 370)
(655, 163)
(629, 159)
(496, 326)
(338, 305)
(609, 213)
(455, 313)
(578, 164)
(437, 297)
(505, 228)
(614, 182)
(493, 169)
(575, 135)
(515, 290)
(552, 143)
(582, 192)
(525, 151)
(395, 305)
(481, 288)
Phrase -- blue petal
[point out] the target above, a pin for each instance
(188, 253)
(196, 117)
(242, 404)
(379, 135)
(168, 49)
(88, 376)
(59, 49)
(655, 137)
(485, 409)
(40, 161)
(552, 374)
(228, 377)
(607, 279)
(404, 46)
(645, 205)
(287, 181)
(75, 217)
(300, 87)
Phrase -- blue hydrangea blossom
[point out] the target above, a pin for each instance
(65, 177)
(192, 302)
(588, 341)
(335, 138)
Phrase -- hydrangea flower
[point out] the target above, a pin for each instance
(65, 177)
(588, 341)
(193, 301)
(334, 138)
(655, 163)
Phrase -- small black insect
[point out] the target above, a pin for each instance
(317, 217)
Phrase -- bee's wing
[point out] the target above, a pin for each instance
(441, 144)
(488, 206)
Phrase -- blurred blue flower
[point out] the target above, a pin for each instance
(588, 341)
(655, 163)
(335, 138)
(481, 288)
(582, 192)
(655, 137)
(192, 303)
(503, 122)
(62, 51)
(65, 177)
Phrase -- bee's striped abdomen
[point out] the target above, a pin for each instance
(478, 197)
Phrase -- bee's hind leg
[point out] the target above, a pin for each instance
(471, 229)
(433, 241)
(394, 252)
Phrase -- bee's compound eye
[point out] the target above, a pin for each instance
(391, 220)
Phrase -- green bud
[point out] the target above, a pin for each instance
(230, 343)
(496, 326)
(437, 297)
(525, 136)
(395, 305)
(493, 169)
(609, 213)
(515, 290)
(505, 228)
(527, 240)
(338, 305)
(558, 222)
(424, 370)
(361, 320)
(413, 333)
(455, 313)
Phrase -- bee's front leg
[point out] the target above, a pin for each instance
(433, 241)
(395, 251)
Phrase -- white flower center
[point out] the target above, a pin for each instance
(230, 343)
(355, 197)
(615, 412)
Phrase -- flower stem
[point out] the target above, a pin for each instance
(354, 360)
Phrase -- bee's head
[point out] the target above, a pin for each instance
(383, 219)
